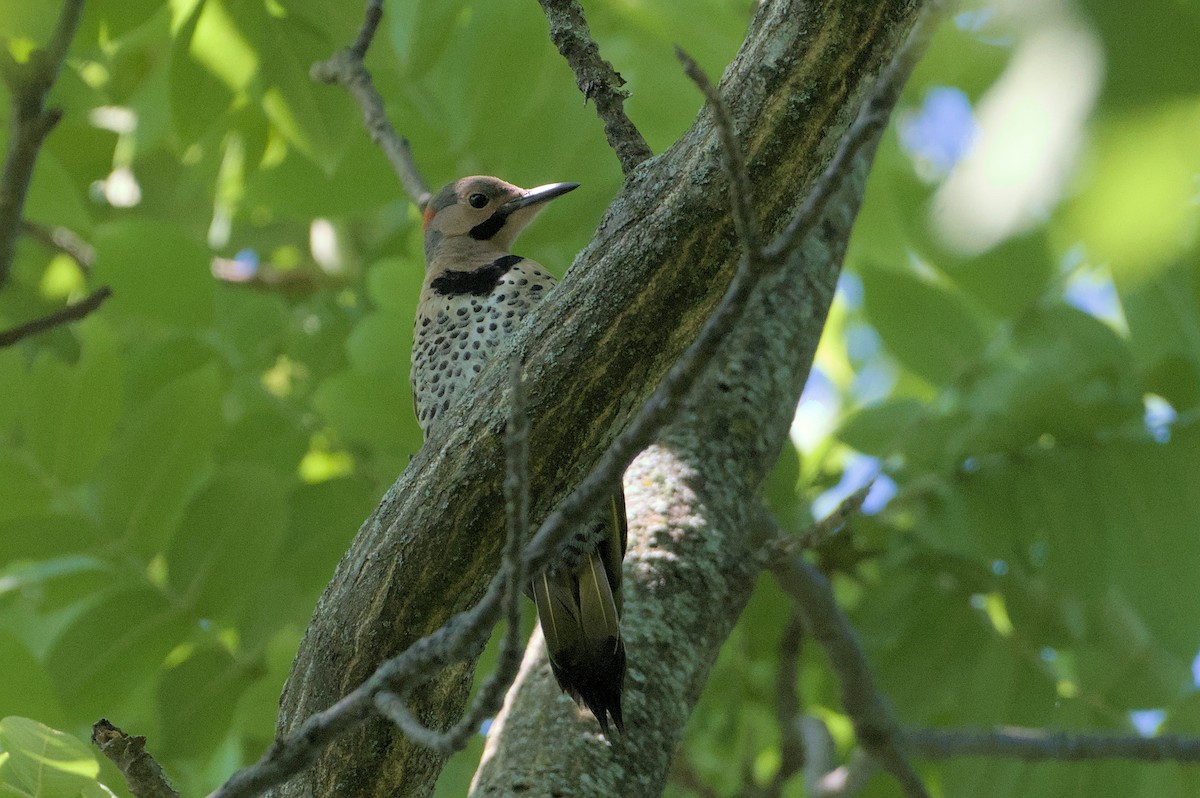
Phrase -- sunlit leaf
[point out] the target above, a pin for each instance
(197, 699)
(111, 648)
(229, 534)
(46, 761)
(71, 410)
(160, 460)
(156, 272)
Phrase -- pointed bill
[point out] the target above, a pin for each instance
(537, 195)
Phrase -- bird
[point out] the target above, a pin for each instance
(474, 295)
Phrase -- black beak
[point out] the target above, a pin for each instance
(537, 195)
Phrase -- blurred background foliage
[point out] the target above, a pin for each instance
(1014, 358)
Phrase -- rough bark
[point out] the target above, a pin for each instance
(695, 550)
(660, 260)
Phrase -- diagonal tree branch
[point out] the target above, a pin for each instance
(597, 79)
(64, 240)
(345, 68)
(29, 84)
(634, 300)
(66, 315)
(874, 725)
(1038, 745)
(515, 571)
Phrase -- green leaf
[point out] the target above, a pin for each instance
(371, 408)
(928, 329)
(47, 534)
(229, 534)
(54, 197)
(1164, 324)
(200, 87)
(13, 375)
(155, 364)
(25, 687)
(1008, 278)
(394, 284)
(311, 118)
(421, 31)
(325, 518)
(879, 429)
(196, 701)
(156, 271)
(112, 648)
(381, 343)
(258, 706)
(70, 410)
(1148, 59)
(160, 459)
(267, 434)
(46, 761)
(24, 493)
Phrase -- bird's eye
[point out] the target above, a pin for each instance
(477, 200)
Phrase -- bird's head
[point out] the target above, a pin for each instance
(484, 209)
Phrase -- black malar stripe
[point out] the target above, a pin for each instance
(479, 282)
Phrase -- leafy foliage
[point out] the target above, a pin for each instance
(180, 472)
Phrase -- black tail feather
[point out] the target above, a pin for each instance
(594, 681)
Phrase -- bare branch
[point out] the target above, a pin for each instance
(790, 545)
(1036, 745)
(597, 79)
(366, 32)
(29, 84)
(741, 193)
(787, 703)
(874, 724)
(793, 741)
(59, 317)
(292, 753)
(62, 239)
(516, 500)
(345, 68)
(142, 773)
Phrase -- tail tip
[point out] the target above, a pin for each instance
(597, 685)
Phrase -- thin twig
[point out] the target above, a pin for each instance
(366, 32)
(345, 68)
(516, 502)
(787, 705)
(790, 545)
(1033, 745)
(741, 193)
(142, 773)
(874, 725)
(597, 79)
(29, 84)
(792, 743)
(65, 315)
(63, 240)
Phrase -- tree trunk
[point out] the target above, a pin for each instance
(661, 258)
(694, 553)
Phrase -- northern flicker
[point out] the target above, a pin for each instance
(474, 295)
